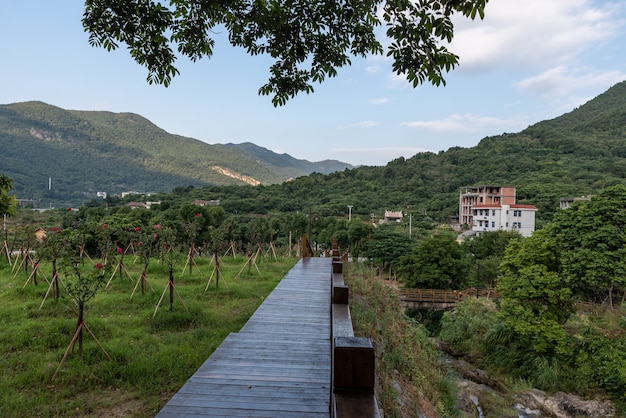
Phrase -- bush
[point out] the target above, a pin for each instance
(466, 326)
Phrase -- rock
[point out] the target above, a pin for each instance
(524, 412)
(398, 388)
(475, 374)
(565, 405)
(534, 402)
(469, 393)
(532, 399)
(446, 347)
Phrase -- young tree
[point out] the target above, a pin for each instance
(82, 286)
(309, 40)
(7, 203)
(387, 246)
(358, 231)
(488, 250)
(536, 297)
(437, 262)
(592, 240)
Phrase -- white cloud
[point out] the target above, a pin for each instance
(532, 33)
(464, 123)
(559, 82)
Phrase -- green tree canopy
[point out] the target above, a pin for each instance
(308, 40)
(490, 244)
(488, 250)
(387, 246)
(358, 231)
(536, 298)
(592, 240)
(7, 203)
(437, 262)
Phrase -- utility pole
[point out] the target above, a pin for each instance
(410, 221)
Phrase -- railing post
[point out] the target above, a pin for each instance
(354, 365)
(352, 358)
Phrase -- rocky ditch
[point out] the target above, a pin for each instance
(475, 384)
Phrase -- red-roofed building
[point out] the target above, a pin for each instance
(493, 208)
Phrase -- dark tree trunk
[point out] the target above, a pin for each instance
(81, 310)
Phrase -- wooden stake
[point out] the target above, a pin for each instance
(172, 288)
(82, 325)
(216, 272)
(8, 253)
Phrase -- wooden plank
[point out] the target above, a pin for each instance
(355, 406)
(278, 365)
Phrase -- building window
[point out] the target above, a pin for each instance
(493, 212)
(493, 224)
(517, 213)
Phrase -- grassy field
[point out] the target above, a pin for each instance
(150, 357)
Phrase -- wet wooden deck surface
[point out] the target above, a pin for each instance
(278, 364)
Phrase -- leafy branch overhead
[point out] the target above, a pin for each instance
(308, 40)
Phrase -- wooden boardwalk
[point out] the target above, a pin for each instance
(278, 364)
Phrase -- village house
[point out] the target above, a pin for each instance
(493, 208)
(211, 202)
(567, 202)
(391, 216)
(137, 205)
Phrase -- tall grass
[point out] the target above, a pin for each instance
(411, 379)
(151, 357)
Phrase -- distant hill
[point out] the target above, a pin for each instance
(80, 153)
(288, 162)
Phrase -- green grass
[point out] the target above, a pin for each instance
(411, 379)
(151, 357)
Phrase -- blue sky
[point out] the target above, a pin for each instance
(525, 62)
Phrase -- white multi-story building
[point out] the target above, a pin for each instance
(493, 208)
(492, 217)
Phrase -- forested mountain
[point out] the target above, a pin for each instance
(84, 152)
(579, 153)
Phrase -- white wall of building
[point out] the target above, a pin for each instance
(504, 218)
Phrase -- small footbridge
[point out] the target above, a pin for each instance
(297, 356)
(438, 299)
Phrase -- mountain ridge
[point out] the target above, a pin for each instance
(85, 152)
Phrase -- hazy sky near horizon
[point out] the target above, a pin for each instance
(525, 62)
